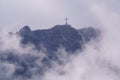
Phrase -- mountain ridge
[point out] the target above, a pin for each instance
(52, 40)
(60, 35)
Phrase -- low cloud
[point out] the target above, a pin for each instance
(94, 62)
(98, 61)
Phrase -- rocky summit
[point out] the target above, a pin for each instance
(58, 36)
(33, 63)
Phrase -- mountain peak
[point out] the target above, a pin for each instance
(25, 29)
(60, 35)
(63, 27)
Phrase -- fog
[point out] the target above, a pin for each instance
(99, 60)
(41, 14)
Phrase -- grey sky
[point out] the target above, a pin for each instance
(42, 14)
(46, 13)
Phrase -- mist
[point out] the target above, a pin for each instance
(98, 61)
(45, 14)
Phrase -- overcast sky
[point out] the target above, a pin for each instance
(42, 14)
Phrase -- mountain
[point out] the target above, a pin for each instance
(60, 35)
(89, 33)
(65, 36)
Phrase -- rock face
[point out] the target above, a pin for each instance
(25, 30)
(60, 35)
(28, 65)
(89, 33)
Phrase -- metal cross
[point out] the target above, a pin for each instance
(66, 20)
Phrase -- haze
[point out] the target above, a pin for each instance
(42, 14)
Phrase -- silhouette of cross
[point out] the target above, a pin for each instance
(66, 20)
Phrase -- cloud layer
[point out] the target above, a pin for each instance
(98, 61)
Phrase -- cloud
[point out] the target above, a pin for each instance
(91, 64)
(98, 61)
(88, 65)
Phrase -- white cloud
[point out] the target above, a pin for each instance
(101, 63)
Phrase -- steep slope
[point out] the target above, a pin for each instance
(89, 33)
(33, 63)
(52, 39)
